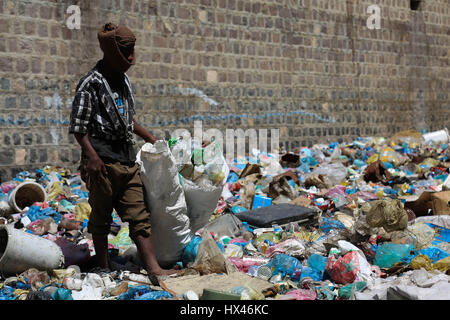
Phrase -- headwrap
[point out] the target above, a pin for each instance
(114, 41)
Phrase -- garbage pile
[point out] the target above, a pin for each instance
(363, 220)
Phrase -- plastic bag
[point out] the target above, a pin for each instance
(93, 288)
(390, 253)
(62, 294)
(122, 240)
(82, 210)
(247, 293)
(387, 213)
(244, 264)
(209, 257)
(423, 234)
(442, 265)
(165, 197)
(286, 266)
(421, 261)
(299, 294)
(191, 250)
(346, 291)
(328, 224)
(293, 247)
(335, 172)
(348, 268)
(134, 292)
(264, 237)
(154, 295)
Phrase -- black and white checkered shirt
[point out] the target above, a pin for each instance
(95, 112)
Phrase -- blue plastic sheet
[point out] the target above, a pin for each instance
(434, 253)
(442, 234)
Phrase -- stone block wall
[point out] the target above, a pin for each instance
(310, 68)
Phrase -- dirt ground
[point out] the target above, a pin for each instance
(222, 282)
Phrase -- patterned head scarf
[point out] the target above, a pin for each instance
(117, 44)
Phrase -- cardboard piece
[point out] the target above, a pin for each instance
(438, 202)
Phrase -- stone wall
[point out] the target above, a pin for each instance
(310, 68)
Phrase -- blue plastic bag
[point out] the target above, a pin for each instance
(390, 253)
(6, 293)
(316, 267)
(62, 294)
(154, 295)
(286, 266)
(36, 213)
(135, 292)
(317, 262)
(328, 224)
(191, 250)
(232, 177)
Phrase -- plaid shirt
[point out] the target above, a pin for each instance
(95, 112)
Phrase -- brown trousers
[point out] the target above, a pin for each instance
(121, 189)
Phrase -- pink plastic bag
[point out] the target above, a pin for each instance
(299, 294)
(246, 262)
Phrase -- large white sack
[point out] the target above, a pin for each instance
(164, 195)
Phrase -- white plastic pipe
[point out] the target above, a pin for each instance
(20, 251)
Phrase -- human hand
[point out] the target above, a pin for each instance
(95, 167)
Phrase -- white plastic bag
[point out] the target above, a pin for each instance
(336, 172)
(165, 198)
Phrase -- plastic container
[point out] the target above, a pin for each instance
(25, 194)
(20, 251)
(437, 136)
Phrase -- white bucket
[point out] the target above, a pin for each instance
(25, 194)
(437, 136)
(20, 251)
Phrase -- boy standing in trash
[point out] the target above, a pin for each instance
(102, 122)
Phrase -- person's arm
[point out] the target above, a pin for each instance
(79, 120)
(144, 134)
(95, 165)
